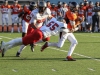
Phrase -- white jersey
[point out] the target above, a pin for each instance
(38, 18)
(53, 28)
(33, 15)
(64, 11)
(47, 12)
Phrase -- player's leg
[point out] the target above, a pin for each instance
(24, 33)
(32, 38)
(83, 26)
(89, 22)
(18, 26)
(7, 22)
(3, 21)
(58, 45)
(22, 47)
(30, 30)
(12, 28)
(7, 45)
(74, 42)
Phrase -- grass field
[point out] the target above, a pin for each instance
(50, 62)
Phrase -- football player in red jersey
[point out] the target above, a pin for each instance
(5, 8)
(53, 10)
(89, 17)
(15, 11)
(25, 14)
(81, 13)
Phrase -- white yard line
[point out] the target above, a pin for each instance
(73, 53)
(88, 35)
(61, 50)
(5, 37)
(91, 69)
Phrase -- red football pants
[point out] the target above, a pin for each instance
(33, 37)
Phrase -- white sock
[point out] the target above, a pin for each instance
(71, 49)
(22, 47)
(52, 44)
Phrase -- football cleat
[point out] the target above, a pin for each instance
(17, 54)
(3, 49)
(69, 58)
(44, 46)
(32, 47)
(2, 45)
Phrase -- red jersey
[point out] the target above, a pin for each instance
(15, 9)
(53, 12)
(89, 11)
(81, 12)
(5, 8)
(59, 11)
(26, 16)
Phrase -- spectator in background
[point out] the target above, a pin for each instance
(64, 9)
(59, 9)
(15, 11)
(5, 8)
(53, 10)
(89, 16)
(84, 0)
(81, 13)
(96, 17)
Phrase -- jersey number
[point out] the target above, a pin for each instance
(28, 17)
(52, 25)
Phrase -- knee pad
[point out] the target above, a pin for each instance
(74, 42)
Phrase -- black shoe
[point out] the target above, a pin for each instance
(2, 50)
(32, 47)
(17, 54)
(3, 53)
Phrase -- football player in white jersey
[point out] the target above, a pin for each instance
(69, 36)
(52, 28)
